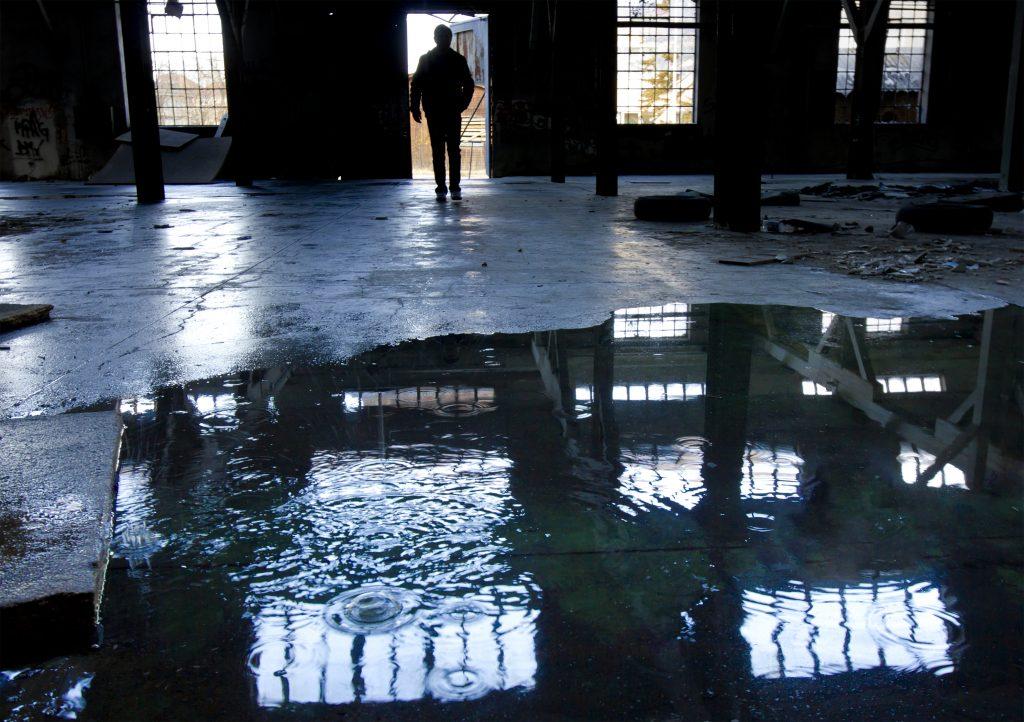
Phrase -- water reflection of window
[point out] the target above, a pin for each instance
(914, 461)
(669, 321)
(911, 384)
(883, 325)
(661, 476)
(297, 658)
(425, 517)
(807, 631)
(771, 473)
(810, 388)
(826, 320)
(418, 397)
(647, 392)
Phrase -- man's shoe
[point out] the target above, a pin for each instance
(456, 194)
(442, 197)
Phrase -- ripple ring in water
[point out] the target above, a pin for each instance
(371, 610)
(287, 656)
(462, 410)
(917, 632)
(463, 611)
(457, 685)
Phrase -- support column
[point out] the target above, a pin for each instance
(1011, 171)
(138, 70)
(232, 19)
(557, 105)
(737, 122)
(869, 22)
(607, 147)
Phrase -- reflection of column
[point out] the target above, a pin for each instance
(721, 651)
(995, 404)
(605, 433)
(725, 415)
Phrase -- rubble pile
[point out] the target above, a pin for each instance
(921, 261)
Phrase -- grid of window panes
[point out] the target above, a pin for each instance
(905, 68)
(911, 384)
(657, 62)
(669, 321)
(188, 64)
(906, 57)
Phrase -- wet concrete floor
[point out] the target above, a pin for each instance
(687, 511)
(220, 279)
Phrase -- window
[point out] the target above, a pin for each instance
(905, 68)
(657, 61)
(188, 64)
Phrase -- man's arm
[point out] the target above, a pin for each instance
(416, 92)
(468, 85)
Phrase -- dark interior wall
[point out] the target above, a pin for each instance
(60, 88)
(329, 89)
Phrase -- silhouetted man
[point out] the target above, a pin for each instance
(443, 82)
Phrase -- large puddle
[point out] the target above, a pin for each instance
(707, 512)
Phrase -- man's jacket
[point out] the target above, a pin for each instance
(442, 82)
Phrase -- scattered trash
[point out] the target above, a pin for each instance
(519, 250)
(162, 225)
(243, 238)
(380, 218)
(918, 262)
(8, 348)
(484, 264)
(1002, 282)
(798, 225)
(894, 190)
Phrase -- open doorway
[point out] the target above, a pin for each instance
(470, 39)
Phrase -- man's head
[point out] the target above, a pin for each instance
(443, 36)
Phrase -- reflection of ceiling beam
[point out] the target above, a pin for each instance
(948, 443)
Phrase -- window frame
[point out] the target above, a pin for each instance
(929, 31)
(669, 24)
(216, 69)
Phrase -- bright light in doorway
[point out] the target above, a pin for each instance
(420, 29)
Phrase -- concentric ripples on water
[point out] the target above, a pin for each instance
(802, 630)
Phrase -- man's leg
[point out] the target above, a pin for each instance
(454, 125)
(436, 128)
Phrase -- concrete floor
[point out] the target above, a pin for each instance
(218, 279)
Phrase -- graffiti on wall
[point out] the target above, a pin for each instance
(31, 139)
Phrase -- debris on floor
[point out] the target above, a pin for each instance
(872, 191)
(19, 315)
(798, 225)
(920, 261)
